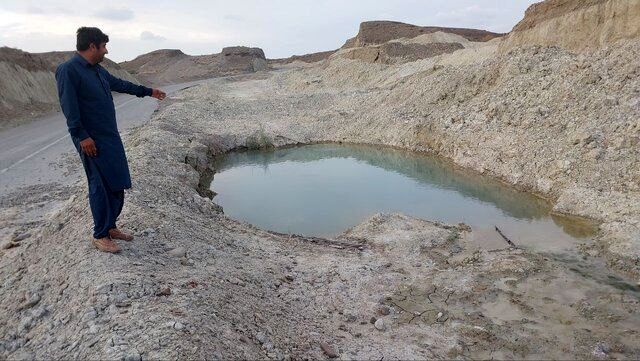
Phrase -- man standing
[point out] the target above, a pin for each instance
(84, 88)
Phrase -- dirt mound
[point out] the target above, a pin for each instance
(379, 32)
(28, 85)
(576, 24)
(173, 66)
(396, 52)
(307, 58)
(389, 42)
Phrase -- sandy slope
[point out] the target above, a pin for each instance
(28, 85)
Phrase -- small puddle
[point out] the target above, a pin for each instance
(324, 189)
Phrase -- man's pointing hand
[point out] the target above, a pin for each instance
(158, 94)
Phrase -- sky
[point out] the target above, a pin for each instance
(280, 27)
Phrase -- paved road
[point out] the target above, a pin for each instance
(29, 153)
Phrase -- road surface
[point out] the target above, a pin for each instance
(32, 153)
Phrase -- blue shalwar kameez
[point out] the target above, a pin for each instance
(86, 101)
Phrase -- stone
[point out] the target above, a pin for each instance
(380, 325)
(178, 326)
(148, 231)
(178, 252)
(90, 314)
(32, 301)
(328, 350)
(94, 329)
(21, 237)
(39, 312)
(8, 244)
(25, 324)
(132, 355)
(261, 337)
(166, 291)
(186, 262)
(383, 310)
(23, 355)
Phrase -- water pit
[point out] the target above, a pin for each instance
(542, 300)
(324, 189)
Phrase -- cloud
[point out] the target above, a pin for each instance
(233, 17)
(119, 14)
(35, 10)
(147, 35)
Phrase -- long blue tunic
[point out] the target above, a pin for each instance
(86, 101)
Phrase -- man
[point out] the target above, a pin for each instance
(84, 88)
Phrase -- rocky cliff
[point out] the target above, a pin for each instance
(173, 66)
(28, 85)
(389, 42)
(380, 32)
(306, 58)
(576, 24)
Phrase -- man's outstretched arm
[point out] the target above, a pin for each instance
(123, 86)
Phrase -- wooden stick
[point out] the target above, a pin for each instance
(505, 238)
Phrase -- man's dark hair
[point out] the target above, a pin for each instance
(88, 36)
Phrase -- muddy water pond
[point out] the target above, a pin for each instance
(324, 189)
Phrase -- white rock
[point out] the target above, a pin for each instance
(380, 325)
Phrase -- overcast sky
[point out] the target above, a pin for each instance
(280, 27)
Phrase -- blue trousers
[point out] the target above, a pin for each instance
(105, 204)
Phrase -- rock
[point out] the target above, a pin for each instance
(373, 320)
(148, 231)
(380, 325)
(21, 237)
(39, 312)
(132, 355)
(328, 350)
(90, 314)
(94, 329)
(383, 310)
(261, 337)
(178, 252)
(166, 291)
(178, 326)
(32, 301)
(22, 355)
(601, 351)
(186, 262)
(25, 324)
(8, 244)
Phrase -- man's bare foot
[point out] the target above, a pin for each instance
(106, 244)
(115, 233)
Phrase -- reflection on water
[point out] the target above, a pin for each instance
(324, 189)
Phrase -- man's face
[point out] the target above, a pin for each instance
(98, 52)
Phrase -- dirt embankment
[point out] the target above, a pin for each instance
(388, 42)
(576, 24)
(28, 84)
(307, 58)
(544, 119)
(167, 66)
(380, 32)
